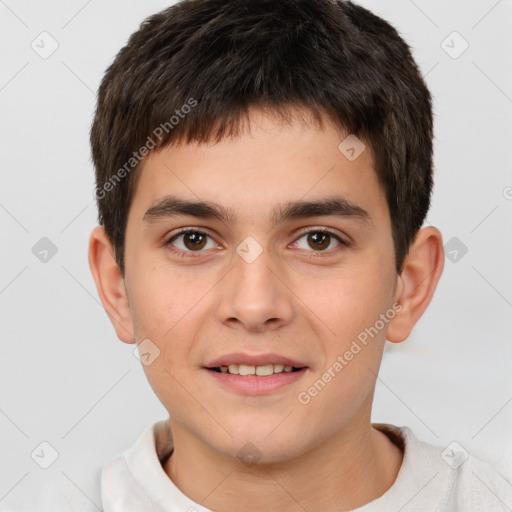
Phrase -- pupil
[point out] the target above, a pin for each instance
(323, 236)
(196, 239)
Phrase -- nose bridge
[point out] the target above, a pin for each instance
(253, 294)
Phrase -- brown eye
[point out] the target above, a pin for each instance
(194, 241)
(319, 241)
(189, 241)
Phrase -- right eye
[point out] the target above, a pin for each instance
(190, 240)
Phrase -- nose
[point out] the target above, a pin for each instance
(254, 295)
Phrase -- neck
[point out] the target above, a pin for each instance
(344, 472)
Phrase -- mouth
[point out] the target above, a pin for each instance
(265, 370)
(254, 375)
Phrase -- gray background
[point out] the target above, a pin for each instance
(67, 380)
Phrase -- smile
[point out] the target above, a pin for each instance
(256, 380)
(260, 371)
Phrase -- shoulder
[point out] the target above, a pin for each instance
(479, 486)
(455, 479)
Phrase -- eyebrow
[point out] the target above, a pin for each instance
(338, 206)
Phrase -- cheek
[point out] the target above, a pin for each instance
(351, 307)
(167, 313)
(164, 302)
(348, 303)
(163, 312)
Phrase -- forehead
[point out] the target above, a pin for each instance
(262, 171)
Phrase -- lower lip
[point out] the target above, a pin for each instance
(254, 385)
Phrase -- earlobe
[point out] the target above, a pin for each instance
(110, 284)
(416, 284)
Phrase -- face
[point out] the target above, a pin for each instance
(272, 275)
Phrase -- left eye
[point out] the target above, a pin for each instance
(319, 240)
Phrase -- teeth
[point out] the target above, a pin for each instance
(246, 370)
(268, 369)
(263, 370)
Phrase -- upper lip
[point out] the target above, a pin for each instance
(253, 360)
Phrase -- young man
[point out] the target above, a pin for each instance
(263, 172)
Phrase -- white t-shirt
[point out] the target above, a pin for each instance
(431, 479)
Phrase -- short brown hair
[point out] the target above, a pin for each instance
(220, 58)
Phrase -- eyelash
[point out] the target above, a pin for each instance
(313, 254)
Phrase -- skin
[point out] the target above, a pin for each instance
(323, 455)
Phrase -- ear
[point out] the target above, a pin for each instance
(416, 284)
(110, 284)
